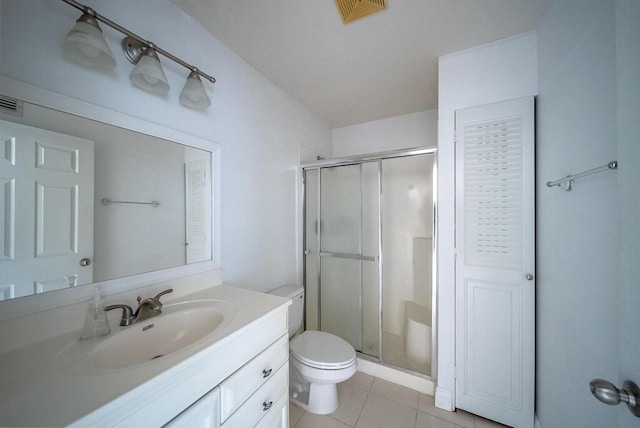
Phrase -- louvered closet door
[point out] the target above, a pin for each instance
(495, 261)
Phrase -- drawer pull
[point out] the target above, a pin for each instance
(266, 373)
(266, 406)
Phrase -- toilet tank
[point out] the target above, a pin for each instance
(295, 293)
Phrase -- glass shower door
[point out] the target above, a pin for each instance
(407, 224)
(340, 232)
(341, 212)
(369, 248)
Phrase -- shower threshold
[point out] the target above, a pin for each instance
(372, 366)
(378, 361)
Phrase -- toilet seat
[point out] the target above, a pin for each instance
(322, 350)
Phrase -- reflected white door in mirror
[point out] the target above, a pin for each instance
(47, 207)
(59, 158)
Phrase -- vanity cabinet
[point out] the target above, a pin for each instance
(236, 376)
(257, 393)
(261, 403)
(248, 369)
(251, 392)
(204, 413)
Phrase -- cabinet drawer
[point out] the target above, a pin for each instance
(240, 385)
(278, 416)
(204, 413)
(261, 403)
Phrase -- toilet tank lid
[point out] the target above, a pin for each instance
(288, 291)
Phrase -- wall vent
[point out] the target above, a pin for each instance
(350, 10)
(11, 105)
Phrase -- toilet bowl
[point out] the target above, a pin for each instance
(318, 361)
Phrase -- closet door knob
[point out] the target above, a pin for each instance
(529, 277)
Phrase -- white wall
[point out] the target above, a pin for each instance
(400, 132)
(588, 239)
(258, 126)
(495, 72)
(628, 127)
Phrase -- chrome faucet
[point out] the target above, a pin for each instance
(150, 307)
(147, 308)
(127, 314)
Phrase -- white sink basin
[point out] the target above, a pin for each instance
(179, 325)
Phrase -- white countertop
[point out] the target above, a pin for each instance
(53, 382)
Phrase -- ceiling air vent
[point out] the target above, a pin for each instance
(350, 10)
(11, 105)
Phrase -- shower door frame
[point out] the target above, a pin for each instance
(359, 160)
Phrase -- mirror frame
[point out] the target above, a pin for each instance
(40, 302)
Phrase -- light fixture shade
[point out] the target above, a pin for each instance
(148, 73)
(193, 94)
(85, 44)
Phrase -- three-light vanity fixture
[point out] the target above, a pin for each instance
(85, 45)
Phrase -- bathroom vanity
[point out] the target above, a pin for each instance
(230, 371)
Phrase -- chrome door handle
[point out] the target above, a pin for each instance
(529, 277)
(608, 393)
(85, 262)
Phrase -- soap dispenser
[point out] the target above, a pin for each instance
(95, 323)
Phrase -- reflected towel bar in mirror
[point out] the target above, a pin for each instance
(107, 201)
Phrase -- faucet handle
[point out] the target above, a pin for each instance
(162, 293)
(127, 313)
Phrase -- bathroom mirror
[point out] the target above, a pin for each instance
(84, 201)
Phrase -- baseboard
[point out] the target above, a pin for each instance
(417, 383)
(536, 422)
(444, 399)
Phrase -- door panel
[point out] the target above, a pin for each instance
(311, 250)
(198, 207)
(495, 261)
(7, 218)
(48, 200)
(340, 210)
(370, 309)
(56, 234)
(340, 309)
(341, 253)
(493, 371)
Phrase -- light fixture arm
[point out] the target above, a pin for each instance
(115, 26)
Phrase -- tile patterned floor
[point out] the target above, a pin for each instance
(368, 402)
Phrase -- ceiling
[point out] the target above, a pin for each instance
(381, 66)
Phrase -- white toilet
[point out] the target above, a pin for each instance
(318, 361)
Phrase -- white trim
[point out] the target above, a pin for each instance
(518, 38)
(444, 399)
(45, 98)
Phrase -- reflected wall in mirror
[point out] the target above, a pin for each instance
(83, 202)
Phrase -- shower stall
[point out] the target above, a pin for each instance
(369, 255)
